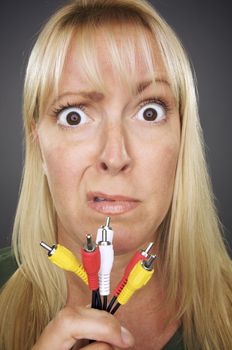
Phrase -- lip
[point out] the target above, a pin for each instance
(113, 205)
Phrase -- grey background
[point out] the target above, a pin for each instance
(205, 30)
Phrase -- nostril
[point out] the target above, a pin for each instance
(125, 167)
(104, 166)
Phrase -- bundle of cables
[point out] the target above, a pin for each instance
(96, 266)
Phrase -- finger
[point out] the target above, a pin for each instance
(70, 326)
(98, 325)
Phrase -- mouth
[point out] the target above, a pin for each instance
(99, 199)
(111, 204)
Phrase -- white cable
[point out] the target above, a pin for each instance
(107, 259)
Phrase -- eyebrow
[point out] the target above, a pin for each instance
(145, 84)
(98, 96)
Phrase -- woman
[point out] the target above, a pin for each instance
(112, 129)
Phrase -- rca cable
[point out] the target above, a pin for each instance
(96, 266)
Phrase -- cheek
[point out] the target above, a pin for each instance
(64, 162)
(65, 155)
(66, 168)
(62, 168)
(159, 174)
(166, 162)
(159, 161)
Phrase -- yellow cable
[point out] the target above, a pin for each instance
(66, 260)
(138, 278)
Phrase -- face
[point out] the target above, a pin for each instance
(111, 154)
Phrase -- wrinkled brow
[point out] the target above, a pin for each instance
(99, 96)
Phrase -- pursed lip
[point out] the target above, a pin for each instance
(108, 204)
(117, 197)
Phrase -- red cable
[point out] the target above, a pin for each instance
(91, 263)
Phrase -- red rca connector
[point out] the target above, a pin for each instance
(139, 255)
(91, 262)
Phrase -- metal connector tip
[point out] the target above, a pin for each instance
(107, 223)
(104, 235)
(46, 246)
(89, 242)
(104, 240)
(148, 264)
(147, 250)
(89, 246)
(50, 250)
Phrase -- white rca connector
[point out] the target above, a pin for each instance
(110, 232)
(107, 259)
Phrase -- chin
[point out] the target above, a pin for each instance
(129, 235)
(128, 241)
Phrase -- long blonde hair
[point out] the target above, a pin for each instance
(193, 258)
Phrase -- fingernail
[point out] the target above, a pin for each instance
(127, 337)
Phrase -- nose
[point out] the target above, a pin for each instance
(114, 156)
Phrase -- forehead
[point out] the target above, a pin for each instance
(125, 54)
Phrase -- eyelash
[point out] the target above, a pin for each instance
(62, 107)
(56, 111)
(164, 103)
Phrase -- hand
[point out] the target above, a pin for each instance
(71, 326)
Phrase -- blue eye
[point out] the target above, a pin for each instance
(72, 117)
(152, 112)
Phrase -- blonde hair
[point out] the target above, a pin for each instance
(193, 257)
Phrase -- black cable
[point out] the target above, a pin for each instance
(93, 303)
(104, 302)
(94, 306)
(111, 303)
(99, 302)
(115, 308)
(96, 299)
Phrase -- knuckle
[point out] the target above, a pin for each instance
(65, 318)
(111, 323)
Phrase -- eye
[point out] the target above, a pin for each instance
(152, 112)
(72, 117)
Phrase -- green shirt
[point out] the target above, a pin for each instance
(8, 266)
(176, 342)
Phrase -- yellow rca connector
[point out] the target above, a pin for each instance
(139, 276)
(65, 259)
